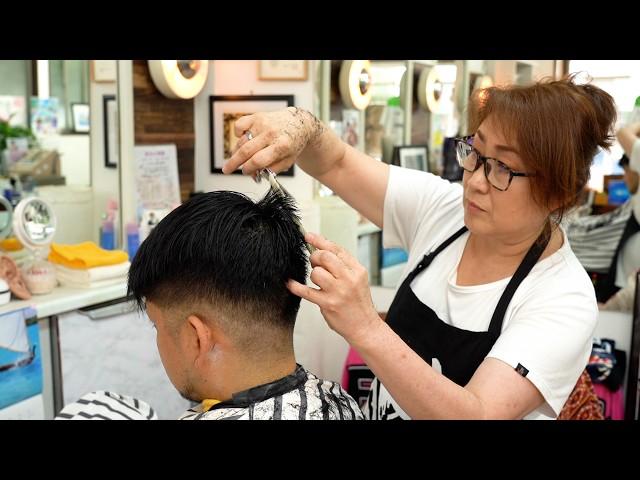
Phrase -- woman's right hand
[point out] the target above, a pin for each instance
(277, 140)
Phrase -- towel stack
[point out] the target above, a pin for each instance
(86, 265)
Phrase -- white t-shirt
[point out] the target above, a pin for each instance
(549, 324)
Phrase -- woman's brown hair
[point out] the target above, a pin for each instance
(557, 126)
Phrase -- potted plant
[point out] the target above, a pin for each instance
(12, 131)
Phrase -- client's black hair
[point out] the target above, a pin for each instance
(223, 249)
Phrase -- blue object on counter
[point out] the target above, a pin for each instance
(107, 236)
(393, 256)
(618, 192)
(133, 242)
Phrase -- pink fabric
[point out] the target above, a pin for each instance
(612, 402)
(353, 358)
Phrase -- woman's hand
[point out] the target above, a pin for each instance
(277, 140)
(344, 296)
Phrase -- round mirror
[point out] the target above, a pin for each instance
(6, 214)
(34, 223)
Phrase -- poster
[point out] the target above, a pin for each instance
(44, 115)
(20, 357)
(351, 127)
(14, 109)
(157, 183)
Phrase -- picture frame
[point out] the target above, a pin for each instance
(103, 71)
(224, 110)
(111, 131)
(296, 70)
(415, 157)
(80, 116)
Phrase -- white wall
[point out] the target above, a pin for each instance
(75, 157)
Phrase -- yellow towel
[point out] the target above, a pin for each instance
(85, 255)
(11, 244)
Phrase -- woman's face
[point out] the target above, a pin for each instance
(509, 215)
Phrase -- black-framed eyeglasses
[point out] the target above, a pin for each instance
(496, 172)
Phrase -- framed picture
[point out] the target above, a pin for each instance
(80, 112)
(225, 110)
(111, 134)
(283, 69)
(104, 71)
(351, 126)
(415, 157)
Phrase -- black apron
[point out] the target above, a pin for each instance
(458, 352)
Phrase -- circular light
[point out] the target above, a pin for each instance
(437, 88)
(355, 83)
(179, 78)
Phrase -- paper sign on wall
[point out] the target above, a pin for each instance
(157, 183)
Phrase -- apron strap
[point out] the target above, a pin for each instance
(529, 261)
(427, 259)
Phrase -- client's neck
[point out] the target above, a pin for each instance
(244, 373)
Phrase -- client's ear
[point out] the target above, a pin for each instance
(206, 336)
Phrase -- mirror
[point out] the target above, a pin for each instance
(34, 223)
(6, 217)
(54, 140)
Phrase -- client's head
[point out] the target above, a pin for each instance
(212, 276)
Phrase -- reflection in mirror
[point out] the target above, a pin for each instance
(384, 117)
(34, 223)
(69, 83)
(52, 141)
(37, 221)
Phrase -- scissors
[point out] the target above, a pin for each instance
(270, 176)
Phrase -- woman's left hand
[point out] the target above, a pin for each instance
(344, 296)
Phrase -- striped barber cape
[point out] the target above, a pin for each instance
(299, 396)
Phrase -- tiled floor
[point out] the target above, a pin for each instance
(117, 354)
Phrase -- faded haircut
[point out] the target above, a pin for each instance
(225, 251)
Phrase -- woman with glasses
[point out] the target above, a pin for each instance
(495, 316)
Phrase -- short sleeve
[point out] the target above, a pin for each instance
(550, 337)
(415, 200)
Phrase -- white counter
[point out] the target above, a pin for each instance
(67, 299)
